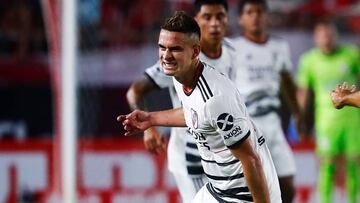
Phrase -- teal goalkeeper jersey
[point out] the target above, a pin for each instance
(322, 73)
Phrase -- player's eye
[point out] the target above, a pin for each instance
(206, 17)
(220, 17)
(162, 48)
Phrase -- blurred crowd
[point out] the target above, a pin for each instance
(107, 25)
(121, 23)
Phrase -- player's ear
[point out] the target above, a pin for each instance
(197, 50)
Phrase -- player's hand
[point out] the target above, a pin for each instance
(154, 142)
(339, 93)
(135, 122)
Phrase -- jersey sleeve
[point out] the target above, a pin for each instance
(304, 77)
(227, 116)
(158, 77)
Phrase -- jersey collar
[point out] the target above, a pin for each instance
(199, 69)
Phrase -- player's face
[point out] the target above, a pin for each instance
(213, 22)
(176, 52)
(253, 18)
(325, 37)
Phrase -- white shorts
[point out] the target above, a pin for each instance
(187, 185)
(283, 158)
(176, 151)
(204, 196)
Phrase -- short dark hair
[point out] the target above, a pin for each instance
(181, 22)
(326, 21)
(199, 3)
(242, 4)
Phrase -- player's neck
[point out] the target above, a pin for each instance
(258, 38)
(193, 75)
(329, 50)
(211, 51)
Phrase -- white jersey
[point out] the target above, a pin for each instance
(258, 74)
(218, 120)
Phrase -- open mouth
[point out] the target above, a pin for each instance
(215, 34)
(169, 65)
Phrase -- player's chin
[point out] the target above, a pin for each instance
(169, 70)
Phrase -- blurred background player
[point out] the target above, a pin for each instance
(183, 158)
(262, 76)
(337, 132)
(343, 96)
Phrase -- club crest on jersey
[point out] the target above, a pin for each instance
(194, 118)
(225, 121)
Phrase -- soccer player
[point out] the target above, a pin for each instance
(183, 157)
(233, 151)
(262, 75)
(343, 96)
(337, 132)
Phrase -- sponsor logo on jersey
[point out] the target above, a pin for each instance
(261, 140)
(233, 133)
(194, 118)
(225, 121)
(200, 138)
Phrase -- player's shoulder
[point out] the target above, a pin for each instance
(212, 73)
(277, 42)
(228, 44)
(235, 40)
(277, 39)
(311, 54)
(350, 48)
(154, 69)
(217, 82)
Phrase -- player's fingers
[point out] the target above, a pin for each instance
(148, 144)
(128, 128)
(133, 114)
(131, 129)
(345, 85)
(338, 88)
(129, 122)
(121, 118)
(128, 133)
(353, 88)
(151, 145)
(159, 150)
(160, 145)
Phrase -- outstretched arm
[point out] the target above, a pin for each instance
(345, 96)
(253, 170)
(138, 121)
